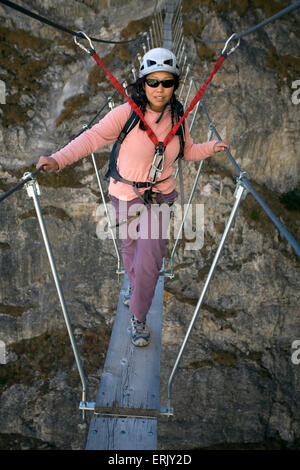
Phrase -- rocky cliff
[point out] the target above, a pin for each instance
(237, 385)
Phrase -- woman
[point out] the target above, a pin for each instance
(154, 93)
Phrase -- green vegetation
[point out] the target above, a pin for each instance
(255, 214)
(23, 74)
(47, 354)
(4, 246)
(135, 27)
(224, 358)
(286, 66)
(269, 7)
(70, 177)
(13, 310)
(72, 108)
(291, 199)
(97, 77)
(55, 212)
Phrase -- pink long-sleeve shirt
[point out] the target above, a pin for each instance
(137, 150)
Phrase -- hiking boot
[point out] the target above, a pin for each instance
(140, 334)
(127, 296)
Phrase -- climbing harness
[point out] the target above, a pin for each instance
(159, 146)
(156, 166)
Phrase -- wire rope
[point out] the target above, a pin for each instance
(44, 20)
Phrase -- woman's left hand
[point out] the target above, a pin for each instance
(220, 146)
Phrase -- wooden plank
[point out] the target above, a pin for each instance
(167, 26)
(129, 384)
(122, 434)
(131, 375)
(126, 412)
(130, 381)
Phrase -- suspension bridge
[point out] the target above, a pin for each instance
(127, 406)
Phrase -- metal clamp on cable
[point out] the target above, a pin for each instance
(243, 174)
(82, 34)
(226, 54)
(241, 189)
(211, 131)
(31, 184)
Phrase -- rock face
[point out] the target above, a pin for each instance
(238, 383)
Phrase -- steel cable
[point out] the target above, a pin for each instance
(254, 28)
(44, 20)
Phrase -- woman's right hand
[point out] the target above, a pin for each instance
(49, 164)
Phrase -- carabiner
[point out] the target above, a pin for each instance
(233, 48)
(92, 50)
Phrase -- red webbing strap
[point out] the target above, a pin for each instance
(134, 106)
(193, 103)
(137, 110)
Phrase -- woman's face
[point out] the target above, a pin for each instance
(158, 97)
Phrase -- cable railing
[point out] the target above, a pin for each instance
(30, 183)
(242, 188)
(154, 37)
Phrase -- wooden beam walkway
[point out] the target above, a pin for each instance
(127, 404)
(128, 401)
(167, 26)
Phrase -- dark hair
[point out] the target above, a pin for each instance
(140, 98)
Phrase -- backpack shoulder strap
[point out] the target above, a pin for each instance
(181, 130)
(129, 125)
(181, 135)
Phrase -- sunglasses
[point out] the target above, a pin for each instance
(154, 83)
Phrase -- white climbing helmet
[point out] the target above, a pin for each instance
(159, 60)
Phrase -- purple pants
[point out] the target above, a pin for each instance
(143, 246)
